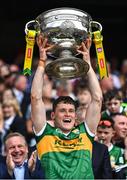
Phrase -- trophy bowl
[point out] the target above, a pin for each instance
(66, 28)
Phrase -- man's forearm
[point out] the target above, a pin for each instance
(94, 109)
(94, 84)
(37, 84)
(37, 105)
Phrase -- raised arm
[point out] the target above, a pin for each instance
(93, 111)
(38, 113)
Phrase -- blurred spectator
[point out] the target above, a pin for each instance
(111, 82)
(123, 79)
(2, 88)
(115, 64)
(82, 92)
(123, 72)
(106, 84)
(114, 76)
(124, 93)
(8, 75)
(65, 88)
(120, 126)
(23, 97)
(13, 120)
(4, 71)
(8, 94)
(112, 104)
(14, 68)
(83, 95)
(105, 133)
(1, 117)
(1, 126)
(120, 137)
(20, 84)
(1, 62)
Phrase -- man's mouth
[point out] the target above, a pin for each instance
(17, 156)
(67, 120)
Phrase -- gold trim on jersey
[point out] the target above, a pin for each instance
(54, 144)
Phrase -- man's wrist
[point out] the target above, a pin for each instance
(42, 62)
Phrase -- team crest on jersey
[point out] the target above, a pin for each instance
(76, 131)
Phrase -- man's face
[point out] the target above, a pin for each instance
(113, 105)
(105, 134)
(64, 117)
(120, 125)
(17, 148)
(84, 97)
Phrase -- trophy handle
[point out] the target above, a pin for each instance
(32, 23)
(96, 25)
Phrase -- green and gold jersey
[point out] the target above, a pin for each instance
(66, 156)
(116, 155)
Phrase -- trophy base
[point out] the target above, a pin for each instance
(67, 68)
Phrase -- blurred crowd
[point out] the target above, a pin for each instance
(15, 109)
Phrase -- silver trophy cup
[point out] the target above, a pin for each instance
(65, 28)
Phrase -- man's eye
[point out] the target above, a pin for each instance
(11, 148)
(109, 104)
(20, 146)
(72, 111)
(106, 133)
(62, 110)
(122, 123)
(115, 104)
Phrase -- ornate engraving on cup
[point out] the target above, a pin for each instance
(65, 28)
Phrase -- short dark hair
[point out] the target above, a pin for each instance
(109, 95)
(118, 114)
(81, 85)
(64, 99)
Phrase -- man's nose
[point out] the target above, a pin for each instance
(113, 105)
(16, 149)
(67, 114)
(102, 135)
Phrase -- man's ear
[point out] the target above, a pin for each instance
(52, 115)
